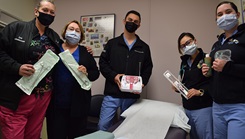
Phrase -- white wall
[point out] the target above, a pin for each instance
(162, 22)
(85, 7)
(22, 9)
(175, 17)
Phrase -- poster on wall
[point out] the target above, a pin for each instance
(243, 10)
(98, 29)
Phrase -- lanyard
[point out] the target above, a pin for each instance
(182, 70)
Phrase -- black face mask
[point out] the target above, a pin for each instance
(45, 19)
(131, 27)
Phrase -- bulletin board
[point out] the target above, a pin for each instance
(98, 29)
(243, 10)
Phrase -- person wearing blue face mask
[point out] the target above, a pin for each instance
(70, 104)
(198, 106)
(126, 54)
(22, 44)
(228, 78)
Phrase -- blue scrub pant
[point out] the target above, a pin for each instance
(229, 121)
(109, 108)
(201, 123)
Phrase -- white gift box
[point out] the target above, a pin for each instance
(131, 83)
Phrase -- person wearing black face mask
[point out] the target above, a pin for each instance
(45, 19)
(22, 44)
(131, 26)
(126, 54)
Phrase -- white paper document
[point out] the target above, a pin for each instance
(42, 67)
(72, 65)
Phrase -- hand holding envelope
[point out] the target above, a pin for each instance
(42, 67)
(45, 64)
(72, 65)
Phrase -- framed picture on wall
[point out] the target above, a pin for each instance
(243, 10)
(98, 29)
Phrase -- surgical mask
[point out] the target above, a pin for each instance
(190, 49)
(72, 37)
(131, 27)
(45, 19)
(227, 21)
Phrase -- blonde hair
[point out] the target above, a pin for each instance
(81, 29)
(39, 3)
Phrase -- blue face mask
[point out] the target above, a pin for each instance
(227, 21)
(72, 37)
(190, 49)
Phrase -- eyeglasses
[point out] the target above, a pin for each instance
(186, 43)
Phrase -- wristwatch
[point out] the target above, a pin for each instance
(201, 91)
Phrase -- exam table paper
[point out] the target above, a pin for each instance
(42, 67)
(149, 119)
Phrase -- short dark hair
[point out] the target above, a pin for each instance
(227, 2)
(182, 35)
(133, 12)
